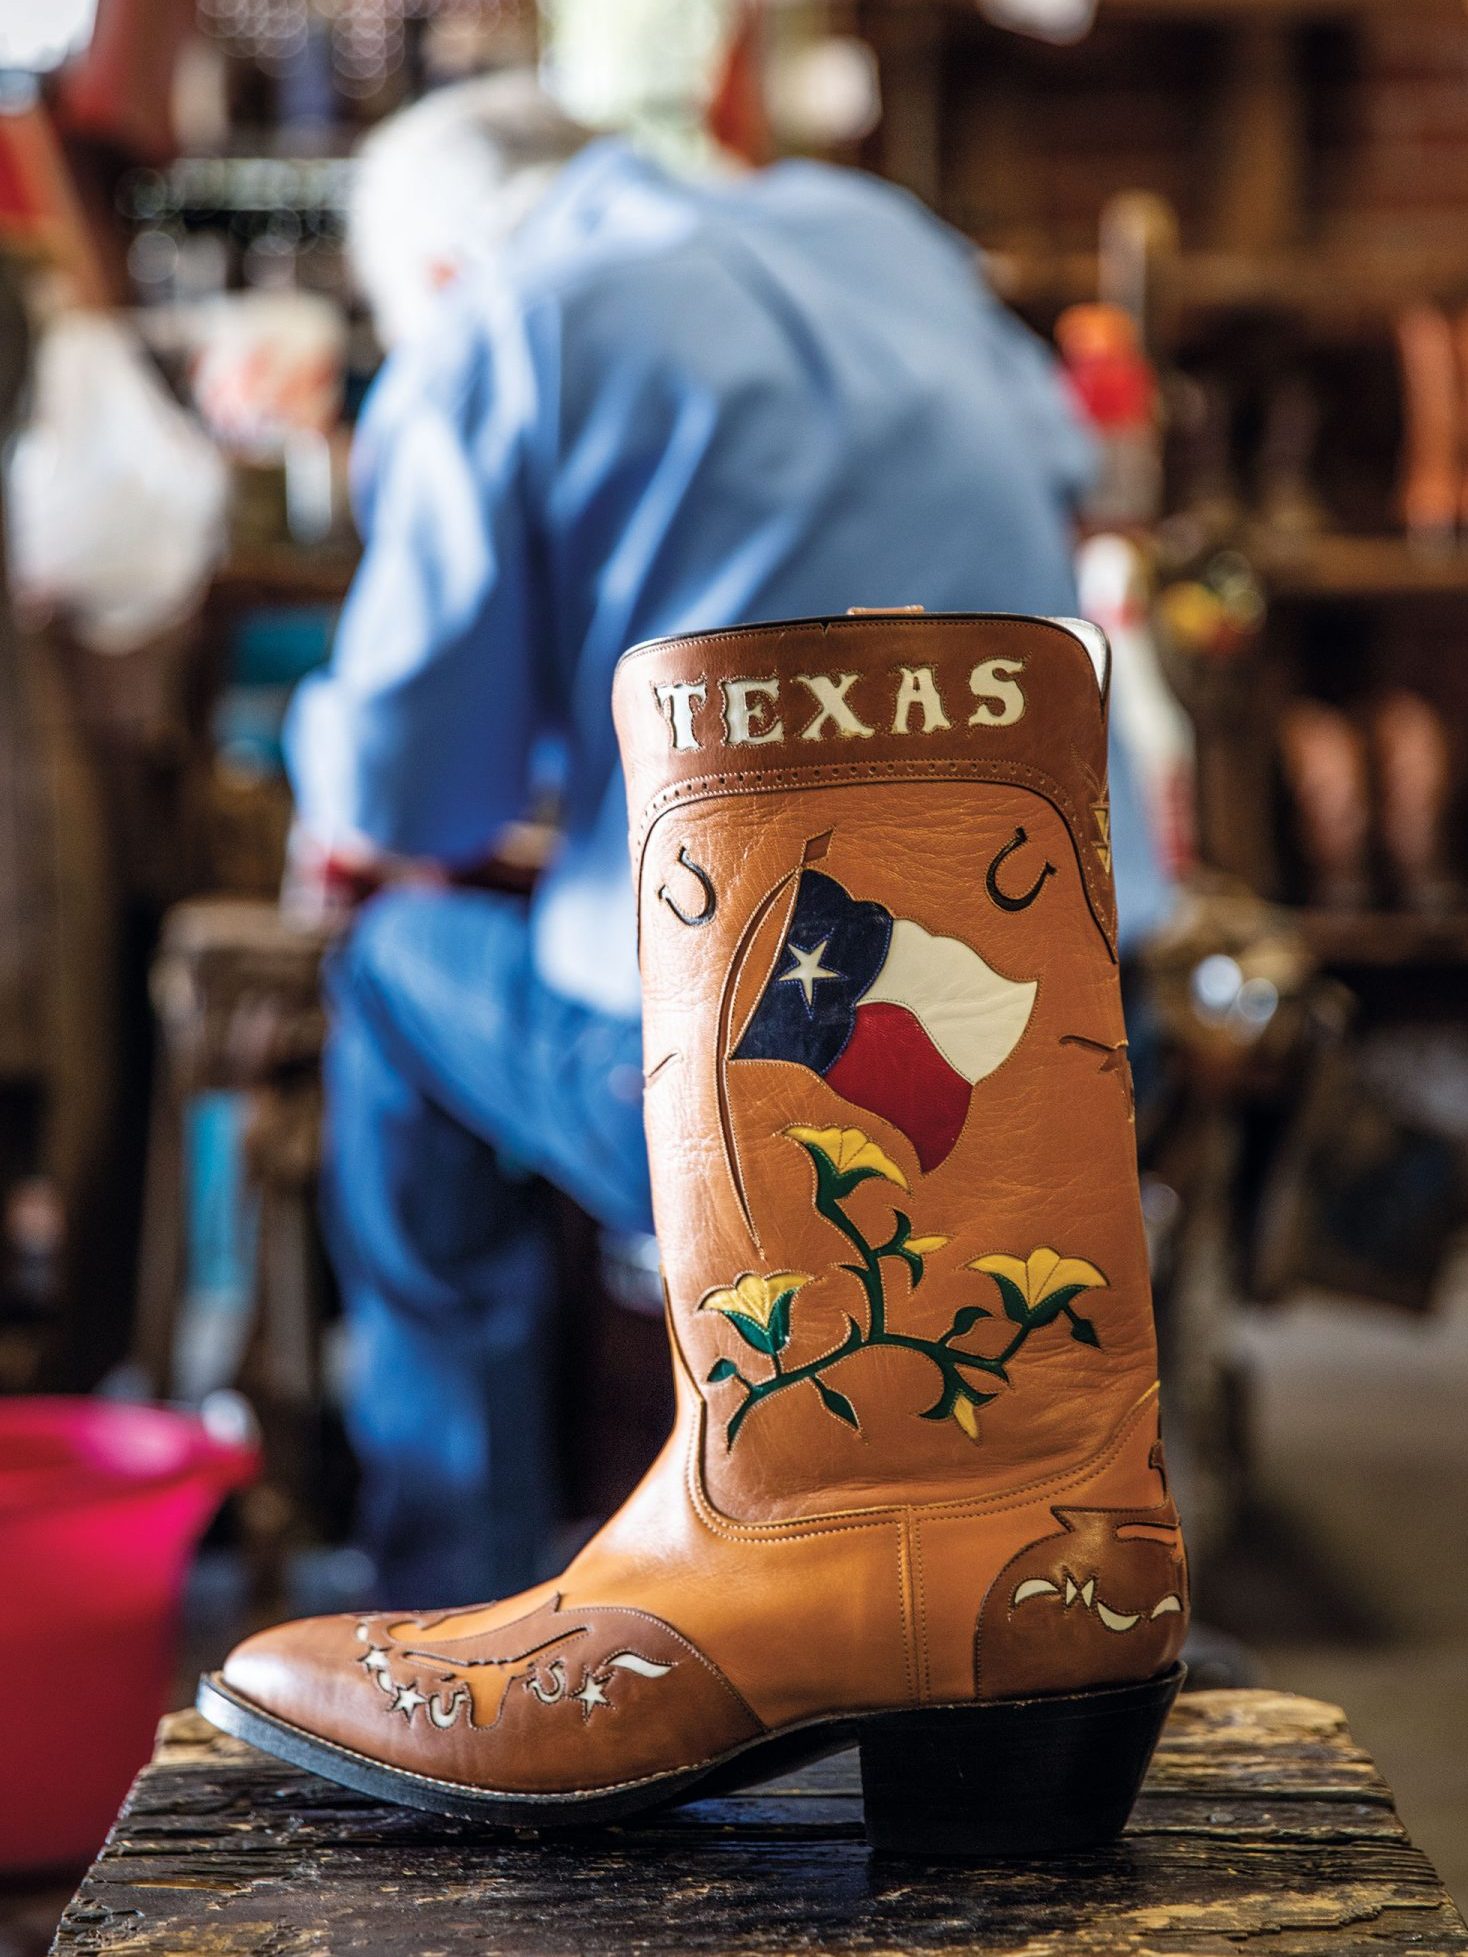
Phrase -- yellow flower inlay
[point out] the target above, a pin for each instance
(1042, 1273)
(847, 1149)
(753, 1296)
(923, 1246)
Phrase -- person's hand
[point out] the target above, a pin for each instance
(326, 884)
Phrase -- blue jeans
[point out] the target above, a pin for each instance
(455, 1078)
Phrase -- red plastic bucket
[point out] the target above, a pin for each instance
(101, 1505)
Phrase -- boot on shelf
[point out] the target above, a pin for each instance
(1327, 776)
(1416, 787)
(915, 1497)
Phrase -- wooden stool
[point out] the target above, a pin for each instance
(1262, 1825)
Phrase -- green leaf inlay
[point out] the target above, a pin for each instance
(966, 1319)
(837, 1403)
(780, 1321)
(1053, 1304)
(752, 1332)
(1015, 1308)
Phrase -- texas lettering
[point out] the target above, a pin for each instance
(761, 710)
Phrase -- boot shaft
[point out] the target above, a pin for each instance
(888, 1101)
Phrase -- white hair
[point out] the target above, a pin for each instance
(441, 185)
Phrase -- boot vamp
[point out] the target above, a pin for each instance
(521, 1696)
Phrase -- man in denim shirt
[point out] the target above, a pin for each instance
(619, 404)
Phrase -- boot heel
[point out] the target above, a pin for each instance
(1011, 1777)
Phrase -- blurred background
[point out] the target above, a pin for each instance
(1243, 227)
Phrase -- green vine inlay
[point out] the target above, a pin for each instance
(1035, 1291)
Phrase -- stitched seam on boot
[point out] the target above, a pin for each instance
(631, 1610)
(471, 1788)
(728, 1043)
(712, 787)
(835, 774)
(624, 1610)
(846, 623)
(728, 1527)
(925, 1656)
(732, 1530)
(1108, 1508)
(843, 1521)
(905, 1605)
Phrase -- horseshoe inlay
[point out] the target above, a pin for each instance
(706, 882)
(991, 879)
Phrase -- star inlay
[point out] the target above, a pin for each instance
(591, 1694)
(808, 971)
(407, 1702)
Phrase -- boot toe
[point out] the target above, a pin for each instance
(523, 1697)
(306, 1673)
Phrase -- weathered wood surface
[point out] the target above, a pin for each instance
(1263, 1827)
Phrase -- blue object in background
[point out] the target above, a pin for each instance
(272, 648)
(219, 1244)
(441, 1033)
(276, 645)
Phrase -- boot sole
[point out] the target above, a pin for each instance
(984, 1781)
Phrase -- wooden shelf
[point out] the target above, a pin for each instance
(1227, 10)
(1385, 938)
(285, 574)
(1341, 293)
(1365, 569)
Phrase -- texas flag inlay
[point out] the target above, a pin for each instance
(895, 1019)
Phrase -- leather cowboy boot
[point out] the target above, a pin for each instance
(915, 1494)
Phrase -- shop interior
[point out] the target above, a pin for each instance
(1241, 227)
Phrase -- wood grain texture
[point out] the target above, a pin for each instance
(1262, 1827)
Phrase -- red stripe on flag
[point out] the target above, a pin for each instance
(891, 1067)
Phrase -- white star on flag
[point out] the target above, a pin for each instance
(808, 970)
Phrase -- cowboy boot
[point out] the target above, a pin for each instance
(1327, 775)
(1414, 772)
(914, 1496)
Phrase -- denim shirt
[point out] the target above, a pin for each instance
(669, 407)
